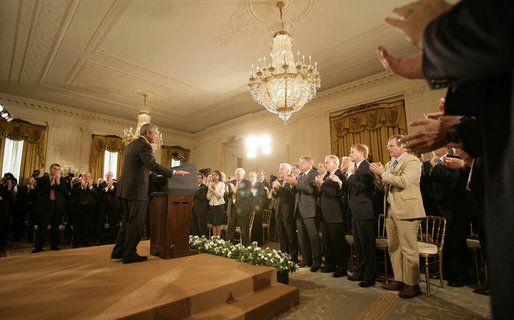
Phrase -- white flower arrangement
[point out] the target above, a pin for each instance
(252, 254)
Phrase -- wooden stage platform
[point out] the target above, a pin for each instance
(86, 284)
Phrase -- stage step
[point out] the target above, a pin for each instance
(263, 304)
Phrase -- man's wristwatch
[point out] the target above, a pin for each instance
(453, 133)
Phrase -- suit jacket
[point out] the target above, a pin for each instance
(448, 187)
(43, 188)
(243, 195)
(108, 197)
(284, 201)
(259, 197)
(331, 199)
(200, 201)
(308, 190)
(137, 163)
(403, 188)
(361, 189)
(84, 197)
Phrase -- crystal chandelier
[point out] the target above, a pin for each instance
(143, 117)
(284, 86)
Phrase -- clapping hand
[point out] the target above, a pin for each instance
(377, 168)
(289, 179)
(319, 180)
(276, 185)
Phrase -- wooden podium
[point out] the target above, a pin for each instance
(170, 222)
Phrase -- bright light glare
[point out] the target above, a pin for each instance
(252, 142)
(266, 150)
(251, 153)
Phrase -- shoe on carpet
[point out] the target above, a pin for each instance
(393, 286)
(410, 291)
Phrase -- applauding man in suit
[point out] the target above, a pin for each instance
(51, 191)
(403, 209)
(307, 221)
(331, 203)
(363, 217)
(133, 190)
(284, 212)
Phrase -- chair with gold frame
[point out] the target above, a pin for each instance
(266, 222)
(382, 244)
(431, 235)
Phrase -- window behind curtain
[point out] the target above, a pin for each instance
(12, 157)
(110, 163)
(175, 163)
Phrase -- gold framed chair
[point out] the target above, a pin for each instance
(473, 244)
(431, 235)
(266, 222)
(382, 244)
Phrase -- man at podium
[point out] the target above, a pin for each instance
(133, 189)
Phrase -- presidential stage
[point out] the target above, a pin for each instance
(86, 284)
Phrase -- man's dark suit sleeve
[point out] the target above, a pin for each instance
(470, 42)
(149, 161)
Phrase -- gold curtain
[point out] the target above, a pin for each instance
(34, 145)
(370, 124)
(98, 147)
(167, 151)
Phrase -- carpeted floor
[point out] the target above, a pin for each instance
(324, 297)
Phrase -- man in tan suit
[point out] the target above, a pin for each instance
(403, 208)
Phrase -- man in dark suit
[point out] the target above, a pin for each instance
(51, 193)
(200, 208)
(108, 208)
(84, 202)
(259, 203)
(448, 186)
(361, 185)
(284, 213)
(331, 203)
(133, 190)
(240, 202)
(307, 220)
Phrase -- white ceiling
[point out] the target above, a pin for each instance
(192, 57)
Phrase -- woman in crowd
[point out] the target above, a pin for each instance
(216, 203)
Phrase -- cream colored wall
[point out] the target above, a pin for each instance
(69, 131)
(308, 131)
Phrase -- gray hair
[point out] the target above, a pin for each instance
(308, 159)
(287, 165)
(147, 127)
(242, 171)
(333, 158)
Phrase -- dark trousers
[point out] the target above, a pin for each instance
(456, 255)
(286, 231)
(308, 238)
(82, 225)
(199, 225)
(328, 253)
(241, 220)
(337, 245)
(364, 243)
(53, 217)
(257, 227)
(133, 220)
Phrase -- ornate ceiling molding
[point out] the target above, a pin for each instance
(53, 16)
(109, 21)
(258, 17)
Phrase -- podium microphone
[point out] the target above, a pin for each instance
(178, 156)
